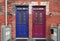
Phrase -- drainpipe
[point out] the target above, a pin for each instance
(6, 12)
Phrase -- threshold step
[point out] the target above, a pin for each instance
(21, 39)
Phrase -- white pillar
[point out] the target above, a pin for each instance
(6, 12)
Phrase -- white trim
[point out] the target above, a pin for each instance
(16, 3)
(13, 6)
(46, 3)
(6, 12)
(26, 3)
(22, 38)
(30, 6)
(38, 38)
(34, 3)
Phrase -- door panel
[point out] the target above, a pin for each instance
(39, 22)
(22, 19)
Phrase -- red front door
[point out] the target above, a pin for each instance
(39, 22)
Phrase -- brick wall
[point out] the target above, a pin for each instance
(2, 17)
(54, 6)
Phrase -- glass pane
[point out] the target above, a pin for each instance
(36, 18)
(0, 8)
(36, 21)
(40, 18)
(24, 18)
(20, 17)
(36, 14)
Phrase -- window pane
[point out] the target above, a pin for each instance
(20, 17)
(0, 9)
(36, 18)
(40, 18)
(24, 17)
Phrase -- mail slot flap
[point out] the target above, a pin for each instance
(22, 7)
(38, 7)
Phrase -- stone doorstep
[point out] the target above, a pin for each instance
(31, 40)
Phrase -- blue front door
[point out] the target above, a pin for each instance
(22, 21)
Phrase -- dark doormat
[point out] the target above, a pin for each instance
(9, 40)
(21, 39)
(40, 39)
